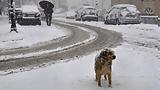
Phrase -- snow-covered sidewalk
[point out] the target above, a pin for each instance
(137, 66)
(28, 35)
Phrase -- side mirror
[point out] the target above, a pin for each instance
(107, 12)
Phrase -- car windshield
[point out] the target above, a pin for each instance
(90, 11)
(129, 9)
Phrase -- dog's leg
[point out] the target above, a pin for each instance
(96, 77)
(99, 80)
(110, 79)
(105, 77)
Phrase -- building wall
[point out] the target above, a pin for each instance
(142, 5)
(157, 6)
(103, 4)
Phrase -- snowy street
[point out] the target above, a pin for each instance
(82, 40)
(137, 65)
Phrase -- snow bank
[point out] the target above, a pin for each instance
(28, 35)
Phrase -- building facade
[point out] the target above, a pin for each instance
(149, 7)
(103, 4)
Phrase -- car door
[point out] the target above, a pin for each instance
(112, 15)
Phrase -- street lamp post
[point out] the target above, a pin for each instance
(13, 17)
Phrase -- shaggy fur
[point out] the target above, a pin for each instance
(103, 66)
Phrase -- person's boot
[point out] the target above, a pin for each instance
(14, 29)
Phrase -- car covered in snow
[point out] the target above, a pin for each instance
(70, 14)
(30, 15)
(86, 13)
(18, 12)
(123, 14)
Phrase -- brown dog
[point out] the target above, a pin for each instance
(103, 66)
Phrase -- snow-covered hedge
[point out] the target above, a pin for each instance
(149, 19)
(158, 21)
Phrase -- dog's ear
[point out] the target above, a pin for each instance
(103, 53)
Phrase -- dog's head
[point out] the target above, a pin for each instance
(108, 54)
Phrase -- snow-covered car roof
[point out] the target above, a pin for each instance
(29, 8)
(85, 7)
(129, 7)
(18, 8)
(124, 5)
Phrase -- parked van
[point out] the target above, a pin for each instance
(86, 13)
(123, 14)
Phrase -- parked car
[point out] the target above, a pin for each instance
(30, 15)
(70, 14)
(123, 14)
(86, 13)
(18, 12)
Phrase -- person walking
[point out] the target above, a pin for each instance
(48, 10)
(0, 11)
(13, 17)
(13, 21)
(48, 15)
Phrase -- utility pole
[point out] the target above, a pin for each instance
(13, 17)
(21, 3)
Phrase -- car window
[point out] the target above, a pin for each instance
(114, 10)
(113, 14)
(129, 9)
(89, 11)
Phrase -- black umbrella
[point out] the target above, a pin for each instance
(46, 5)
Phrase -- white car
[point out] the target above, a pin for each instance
(86, 13)
(30, 15)
(70, 14)
(123, 14)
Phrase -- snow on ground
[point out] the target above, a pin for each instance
(137, 66)
(28, 35)
(130, 71)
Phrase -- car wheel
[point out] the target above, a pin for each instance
(105, 22)
(77, 20)
(39, 23)
(118, 22)
(96, 20)
(83, 19)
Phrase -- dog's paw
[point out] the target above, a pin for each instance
(110, 86)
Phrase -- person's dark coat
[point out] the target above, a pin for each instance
(48, 13)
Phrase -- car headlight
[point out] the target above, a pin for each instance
(25, 15)
(37, 15)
